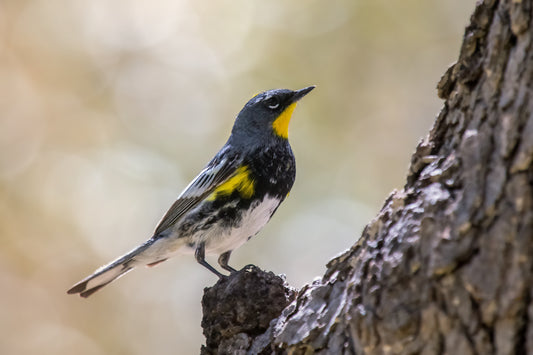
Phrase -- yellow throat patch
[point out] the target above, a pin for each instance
(281, 124)
(240, 181)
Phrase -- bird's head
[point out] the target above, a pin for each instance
(267, 115)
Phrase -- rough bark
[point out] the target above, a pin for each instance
(240, 307)
(446, 267)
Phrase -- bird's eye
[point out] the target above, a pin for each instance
(272, 103)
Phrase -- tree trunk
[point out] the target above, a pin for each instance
(447, 265)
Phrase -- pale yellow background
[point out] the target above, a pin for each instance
(109, 107)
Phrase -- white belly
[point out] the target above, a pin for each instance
(219, 240)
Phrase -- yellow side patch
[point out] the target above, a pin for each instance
(240, 182)
(281, 124)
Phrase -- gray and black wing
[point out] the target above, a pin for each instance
(222, 167)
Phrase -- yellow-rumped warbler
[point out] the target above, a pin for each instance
(229, 201)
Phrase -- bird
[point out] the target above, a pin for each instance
(229, 201)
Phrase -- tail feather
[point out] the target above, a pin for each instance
(96, 281)
(108, 273)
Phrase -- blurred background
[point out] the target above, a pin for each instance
(109, 108)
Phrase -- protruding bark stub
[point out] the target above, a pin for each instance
(240, 307)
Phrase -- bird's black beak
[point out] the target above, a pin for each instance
(298, 94)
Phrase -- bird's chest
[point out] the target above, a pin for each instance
(274, 172)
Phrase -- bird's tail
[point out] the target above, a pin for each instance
(111, 271)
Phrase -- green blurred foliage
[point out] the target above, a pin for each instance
(109, 108)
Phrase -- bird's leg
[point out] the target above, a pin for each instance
(223, 261)
(199, 254)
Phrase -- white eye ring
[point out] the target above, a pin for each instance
(273, 103)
